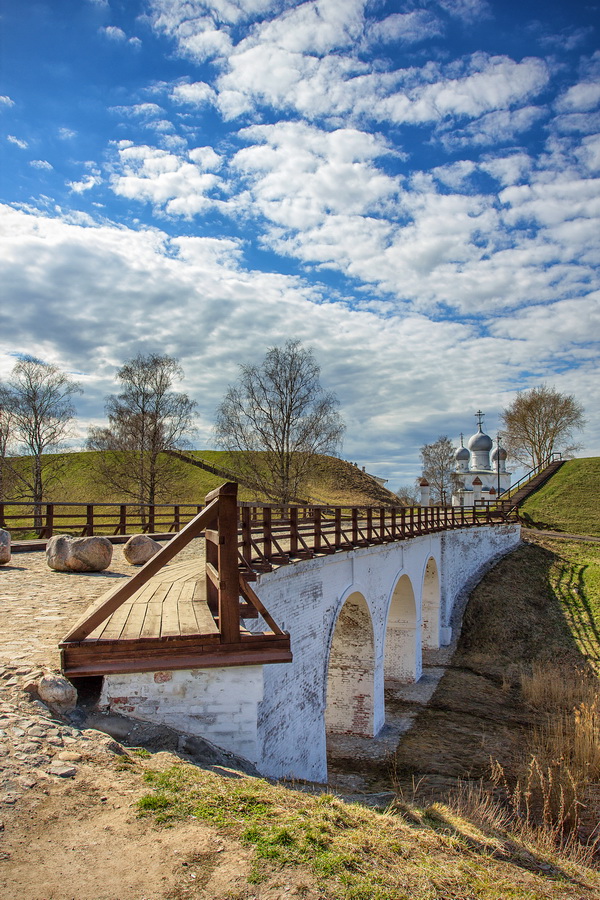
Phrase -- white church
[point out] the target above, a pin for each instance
(476, 476)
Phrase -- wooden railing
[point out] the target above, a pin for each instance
(271, 536)
(86, 519)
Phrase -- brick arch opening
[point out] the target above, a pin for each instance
(351, 671)
(431, 607)
(402, 658)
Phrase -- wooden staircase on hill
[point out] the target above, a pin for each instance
(532, 482)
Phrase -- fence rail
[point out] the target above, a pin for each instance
(273, 536)
(86, 519)
(267, 534)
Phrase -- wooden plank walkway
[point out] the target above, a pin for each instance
(171, 603)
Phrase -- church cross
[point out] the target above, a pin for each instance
(479, 416)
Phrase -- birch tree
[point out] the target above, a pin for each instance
(277, 419)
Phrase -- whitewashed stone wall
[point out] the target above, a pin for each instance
(219, 704)
(275, 714)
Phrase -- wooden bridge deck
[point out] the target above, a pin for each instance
(167, 624)
(170, 604)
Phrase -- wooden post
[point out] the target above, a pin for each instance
(318, 530)
(354, 525)
(89, 519)
(293, 530)
(49, 520)
(338, 528)
(247, 535)
(176, 518)
(227, 564)
(267, 533)
(122, 519)
(2, 521)
(151, 522)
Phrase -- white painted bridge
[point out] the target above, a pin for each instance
(357, 618)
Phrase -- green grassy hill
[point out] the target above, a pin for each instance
(334, 481)
(570, 501)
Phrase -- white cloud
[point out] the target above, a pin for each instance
(139, 110)
(580, 97)
(79, 187)
(493, 83)
(469, 10)
(113, 33)
(508, 169)
(410, 27)
(66, 134)
(197, 94)
(6, 101)
(17, 141)
(500, 127)
(173, 183)
(206, 157)
(300, 174)
(41, 164)
(589, 153)
(195, 298)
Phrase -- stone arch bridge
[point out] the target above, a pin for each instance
(274, 655)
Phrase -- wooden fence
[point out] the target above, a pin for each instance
(267, 534)
(270, 536)
(85, 519)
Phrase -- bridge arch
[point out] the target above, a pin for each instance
(431, 606)
(350, 698)
(402, 656)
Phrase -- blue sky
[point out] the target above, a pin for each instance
(410, 188)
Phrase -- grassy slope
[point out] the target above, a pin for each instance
(335, 481)
(570, 501)
(531, 608)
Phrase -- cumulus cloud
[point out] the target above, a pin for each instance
(113, 33)
(79, 187)
(41, 164)
(410, 27)
(500, 127)
(19, 142)
(196, 298)
(196, 94)
(580, 97)
(179, 185)
(139, 110)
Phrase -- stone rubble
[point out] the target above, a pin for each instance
(36, 745)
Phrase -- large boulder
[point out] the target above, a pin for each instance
(86, 554)
(57, 692)
(4, 547)
(139, 549)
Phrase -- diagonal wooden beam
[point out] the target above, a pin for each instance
(109, 602)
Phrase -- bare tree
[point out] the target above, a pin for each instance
(145, 419)
(7, 475)
(438, 468)
(408, 495)
(277, 419)
(540, 421)
(41, 414)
